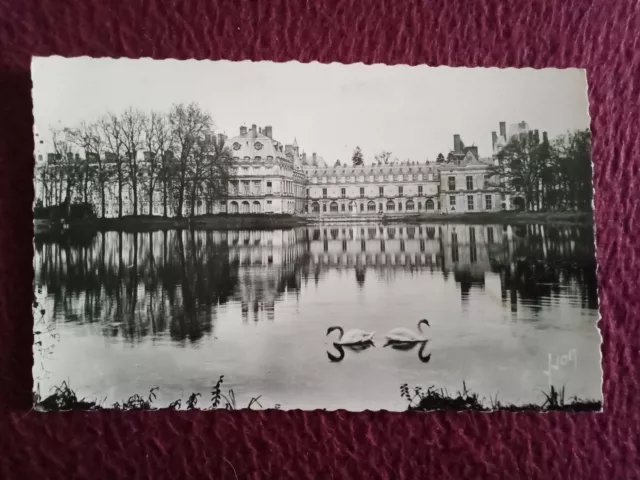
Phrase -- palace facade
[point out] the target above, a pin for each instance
(268, 176)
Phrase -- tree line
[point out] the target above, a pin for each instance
(173, 157)
(549, 175)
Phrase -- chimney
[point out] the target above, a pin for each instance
(268, 131)
(243, 131)
(494, 140)
(222, 138)
(304, 158)
(545, 139)
(314, 161)
(254, 131)
(537, 137)
(457, 143)
(503, 129)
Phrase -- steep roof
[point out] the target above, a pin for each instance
(394, 169)
(259, 146)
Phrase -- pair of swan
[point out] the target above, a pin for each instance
(395, 336)
(399, 339)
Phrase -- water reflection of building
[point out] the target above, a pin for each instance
(371, 245)
(268, 265)
(175, 281)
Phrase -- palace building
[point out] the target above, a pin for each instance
(268, 176)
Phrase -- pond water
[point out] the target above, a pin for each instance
(513, 310)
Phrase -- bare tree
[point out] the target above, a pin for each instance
(188, 124)
(67, 169)
(157, 138)
(201, 154)
(383, 158)
(132, 123)
(113, 135)
(88, 138)
(218, 167)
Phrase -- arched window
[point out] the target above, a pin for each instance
(315, 207)
(429, 205)
(333, 207)
(371, 206)
(256, 207)
(391, 206)
(245, 207)
(410, 205)
(233, 207)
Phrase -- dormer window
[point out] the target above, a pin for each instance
(257, 145)
(236, 146)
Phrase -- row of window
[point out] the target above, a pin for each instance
(451, 182)
(343, 192)
(372, 178)
(488, 202)
(371, 206)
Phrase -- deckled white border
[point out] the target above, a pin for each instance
(332, 64)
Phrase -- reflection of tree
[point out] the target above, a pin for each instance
(184, 277)
(534, 262)
(548, 261)
(172, 282)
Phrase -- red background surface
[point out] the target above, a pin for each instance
(603, 36)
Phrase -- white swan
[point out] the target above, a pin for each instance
(404, 335)
(351, 337)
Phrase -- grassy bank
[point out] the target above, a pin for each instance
(432, 398)
(508, 218)
(420, 400)
(267, 221)
(145, 223)
(65, 399)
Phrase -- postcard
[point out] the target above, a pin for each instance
(217, 234)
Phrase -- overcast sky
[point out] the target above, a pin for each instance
(411, 111)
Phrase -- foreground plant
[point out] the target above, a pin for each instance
(434, 398)
(64, 398)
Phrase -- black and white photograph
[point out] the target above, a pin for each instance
(261, 235)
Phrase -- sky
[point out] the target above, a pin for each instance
(412, 112)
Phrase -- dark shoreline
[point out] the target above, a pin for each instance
(145, 223)
(510, 218)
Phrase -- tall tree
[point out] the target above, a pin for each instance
(68, 167)
(518, 169)
(571, 161)
(113, 134)
(216, 181)
(157, 138)
(357, 158)
(440, 158)
(548, 176)
(337, 164)
(188, 123)
(132, 122)
(88, 138)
